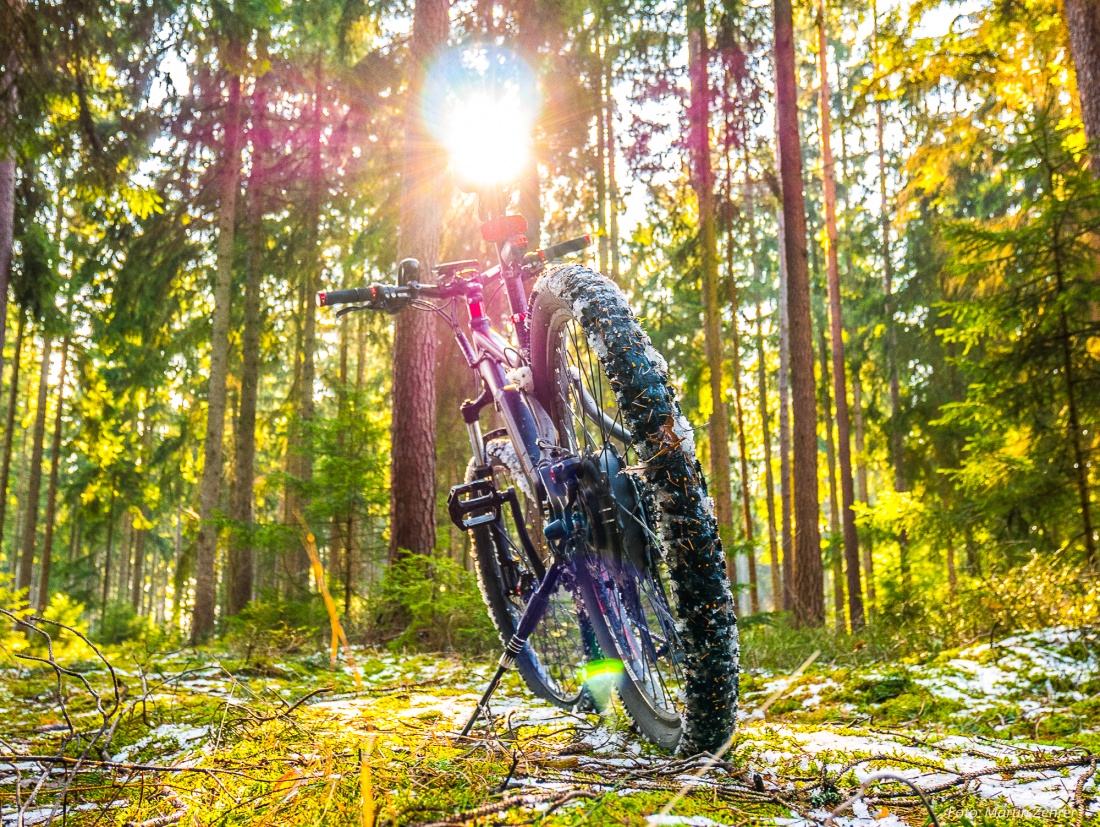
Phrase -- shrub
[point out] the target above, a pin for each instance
(120, 623)
(270, 629)
(430, 603)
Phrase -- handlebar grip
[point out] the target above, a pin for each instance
(355, 295)
(565, 247)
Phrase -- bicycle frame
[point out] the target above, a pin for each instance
(501, 365)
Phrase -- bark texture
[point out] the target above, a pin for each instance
(412, 470)
(808, 590)
(1083, 24)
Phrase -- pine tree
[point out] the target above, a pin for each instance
(808, 588)
(412, 470)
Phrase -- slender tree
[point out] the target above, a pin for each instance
(702, 182)
(241, 560)
(9, 427)
(311, 273)
(412, 470)
(784, 380)
(202, 622)
(738, 407)
(861, 483)
(895, 427)
(141, 532)
(51, 489)
(9, 119)
(530, 25)
(836, 563)
(836, 326)
(808, 590)
(769, 477)
(34, 479)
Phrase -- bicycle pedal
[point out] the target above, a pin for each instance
(474, 503)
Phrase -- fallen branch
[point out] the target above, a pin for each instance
(171, 818)
(870, 782)
(555, 800)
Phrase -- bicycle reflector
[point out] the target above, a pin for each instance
(502, 228)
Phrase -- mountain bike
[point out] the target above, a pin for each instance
(594, 539)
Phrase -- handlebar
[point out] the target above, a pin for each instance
(390, 297)
(356, 295)
(393, 298)
(563, 248)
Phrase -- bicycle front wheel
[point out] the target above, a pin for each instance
(651, 526)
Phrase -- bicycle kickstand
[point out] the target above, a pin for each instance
(532, 614)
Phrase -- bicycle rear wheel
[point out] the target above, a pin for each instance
(606, 388)
(553, 661)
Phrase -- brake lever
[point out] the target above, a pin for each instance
(343, 311)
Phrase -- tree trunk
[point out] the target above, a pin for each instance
(341, 542)
(1083, 24)
(769, 478)
(34, 479)
(412, 470)
(107, 555)
(9, 116)
(125, 557)
(202, 622)
(612, 184)
(861, 483)
(809, 589)
(952, 574)
(840, 385)
(241, 561)
(835, 562)
(527, 40)
(299, 459)
(137, 587)
(702, 180)
(738, 407)
(51, 490)
(888, 312)
(1080, 452)
(20, 486)
(601, 147)
(9, 426)
(785, 494)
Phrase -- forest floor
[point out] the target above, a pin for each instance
(993, 735)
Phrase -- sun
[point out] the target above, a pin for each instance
(481, 103)
(488, 136)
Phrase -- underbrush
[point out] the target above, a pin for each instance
(1048, 591)
(431, 604)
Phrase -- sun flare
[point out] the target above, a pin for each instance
(481, 103)
(488, 137)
